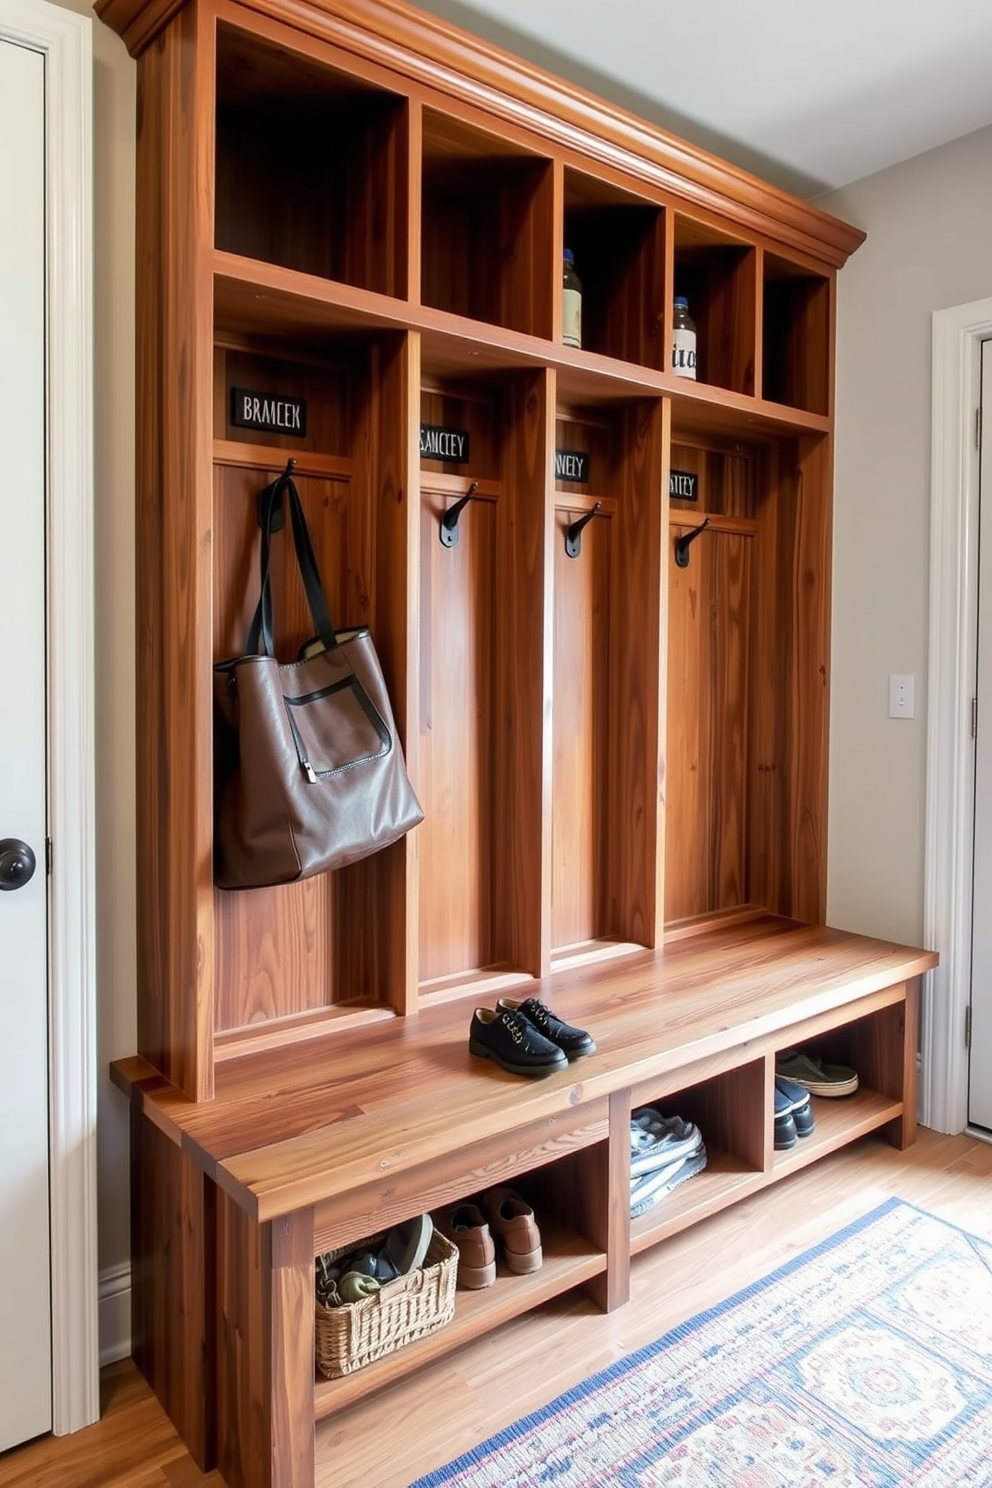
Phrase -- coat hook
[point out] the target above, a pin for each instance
(573, 537)
(448, 531)
(278, 519)
(682, 544)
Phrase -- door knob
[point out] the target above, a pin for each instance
(17, 863)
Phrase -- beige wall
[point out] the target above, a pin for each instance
(113, 354)
(929, 225)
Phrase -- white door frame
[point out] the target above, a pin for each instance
(65, 40)
(957, 336)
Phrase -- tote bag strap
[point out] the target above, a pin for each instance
(260, 638)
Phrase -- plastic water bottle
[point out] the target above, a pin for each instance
(683, 340)
(571, 303)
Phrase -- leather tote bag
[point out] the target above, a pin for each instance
(309, 773)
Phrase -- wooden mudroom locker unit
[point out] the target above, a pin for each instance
(622, 761)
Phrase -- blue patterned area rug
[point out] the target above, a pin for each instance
(865, 1363)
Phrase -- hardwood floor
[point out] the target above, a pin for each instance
(424, 1421)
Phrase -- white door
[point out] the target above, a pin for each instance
(25, 1308)
(980, 1055)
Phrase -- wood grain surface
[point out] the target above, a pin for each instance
(296, 1126)
(173, 553)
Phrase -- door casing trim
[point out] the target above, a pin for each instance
(65, 40)
(956, 360)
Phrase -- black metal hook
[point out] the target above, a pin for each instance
(683, 544)
(448, 531)
(573, 536)
(278, 518)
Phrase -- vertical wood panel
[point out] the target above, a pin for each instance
(457, 728)
(522, 694)
(633, 908)
(275, 946)
(376, 897)
(582, 728)
(527, 253)
(291, 1351)
(173, 645)
(707, 813)
(172, 1338)
(790, 662)
(265, 1349)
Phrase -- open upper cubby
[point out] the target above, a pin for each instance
(618, 242)
(487, 226)
(717, 273)
(311, 949)
(311, 165)
(796, 335)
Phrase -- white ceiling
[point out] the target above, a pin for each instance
(808, 93)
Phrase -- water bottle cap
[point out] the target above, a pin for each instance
(569, 256)
(681, 302)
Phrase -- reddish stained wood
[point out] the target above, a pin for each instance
(581, 772)
(433, 52)
(634, 847)
(522, 683)
(279, 1115)
(172, 1231)
(289, 1400)
(173, 765)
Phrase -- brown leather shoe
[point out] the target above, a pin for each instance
(511, 1220)
(465, 1226)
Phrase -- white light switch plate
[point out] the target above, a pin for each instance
(902, 696)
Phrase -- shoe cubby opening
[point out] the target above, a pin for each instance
(487, 216)
(872, 1046)
(311, 165)
(717, 274)
(729, 1111)
(710, 639)
(795, 336)
(331, 944)
(480, 700)
(606, 644)
(619, 247)
(567, 1197)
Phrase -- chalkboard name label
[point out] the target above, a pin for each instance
(440, 443)
(683, 485)
(572, 465)
(269, 412)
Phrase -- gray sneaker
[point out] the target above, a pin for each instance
(815, 1075)
(646, 1191)
(656, 1140)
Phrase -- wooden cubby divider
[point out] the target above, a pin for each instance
(717, 273)
(622, 761)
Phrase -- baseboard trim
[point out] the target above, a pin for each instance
(115, 1313)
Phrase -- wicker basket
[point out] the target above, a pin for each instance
(409, 1307)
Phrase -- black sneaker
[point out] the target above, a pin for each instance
(573, 1042)
(512, 1042)
(786, 1135)
(799, 1105)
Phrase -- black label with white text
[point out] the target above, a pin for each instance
(683, 485)
(440, 443)
(572, 465)
(269, 412)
